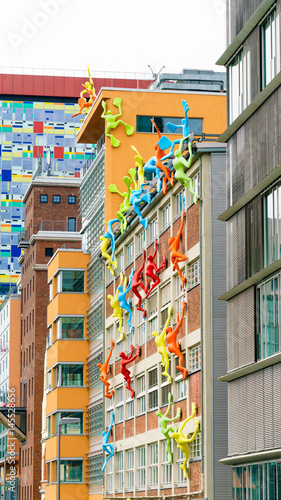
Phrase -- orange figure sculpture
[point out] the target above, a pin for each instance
(125, 372)
(172, 342)
(104, 371)
(176, 256)
(152, 270)
(136, 282)
(88, 89)
(159, 155)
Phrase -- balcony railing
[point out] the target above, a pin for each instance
(23, 238)
(98, 147)
(60, 225)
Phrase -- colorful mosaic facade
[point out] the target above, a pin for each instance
(28, 131)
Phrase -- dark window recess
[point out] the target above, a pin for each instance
(144, 124)
(72, 200)
(49, 252)
(71, 224)
(56, 198)
(43, 198)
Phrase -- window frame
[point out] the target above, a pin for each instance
(56, 199)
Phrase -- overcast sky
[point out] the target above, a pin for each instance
(112, 35)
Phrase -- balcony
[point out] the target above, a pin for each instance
(60, 226)
(23, 239)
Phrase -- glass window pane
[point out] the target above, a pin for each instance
(72, 328)
(272, 481)
(72, 281)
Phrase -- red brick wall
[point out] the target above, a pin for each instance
(193, 309)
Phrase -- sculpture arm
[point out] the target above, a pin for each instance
(169, 405)
(193, 411)
(177, 239)
(169, 317)
(103, 103)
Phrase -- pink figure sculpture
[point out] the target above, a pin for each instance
(136, 282)
(152, 270)
(172, 342)
(125, 372)
(176, 256)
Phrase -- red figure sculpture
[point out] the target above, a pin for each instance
(104, 371)
(159, 155)
(125, 372)
(172, 342)
(136, 282)
(174, 243)
(152, 270)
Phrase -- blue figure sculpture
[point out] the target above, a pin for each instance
(138, 197)
(106, 446)
(124, 303)
(184, 124)
(151, 165)
(110, 234)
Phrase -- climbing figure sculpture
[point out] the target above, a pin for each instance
(113, 122)
(112, 264)
(160, 146)
(114, 302)
(136, 282)
(125, 205)
(139, 165)
(176, 256)
(106, 446)
(173, 344)
(126, 303)
(104, 371)
(161, 347)
(110, 234)
(183, 440)
(83, 104)
(151, 272)
(163, 421)
(180, 164)
(184, 125)
(124, 361)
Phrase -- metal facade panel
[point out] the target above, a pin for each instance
(277, 405)
(251, 411)
(222, 478)
(236, 253)
(267, 408)
(240, 12)
(254, 232)
(259, 416)
(241, 329)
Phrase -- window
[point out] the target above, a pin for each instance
(56, 198)
(166, 467)
(153, 465)
(196, 187)
(141, 241)
(50, 290)
(257, 481)
(141, 394)
(49, 337)
(144, 124)
(70, 281)
(130, 404)
(239, 84)
(179, 294)
(165, 387)
(272, 225)
(268, 331)
(194, 273)
(120, 262)
(47, 473)
(195, 447)
(71, 471)
(180, 474)
(72, 200)
(109, 469)
(195, 358)
(141, 328)
(48, 427)
(152, 322)
(152, 227)
(130, 470)
(130, 252)
(70, 328)
(71, 224)
(43, 198)
(49, 252)
(270, 39)
(95, 420)
(70, 429)
(119, 404)
(70, 375)
(180, 202)
(49, 381)
(166, 217)
(152, 389)
(141, 468)
(119, 471)
(94, 466)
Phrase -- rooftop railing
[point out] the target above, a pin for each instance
(60, 225)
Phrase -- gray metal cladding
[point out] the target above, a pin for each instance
(254, 236)
(254, 150)
(255, 411)
(236, 249)
(241, 329)
(240, 12)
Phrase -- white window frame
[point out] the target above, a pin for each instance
(153, 466)
(194, 273)
(140, 393)
(153, 231)
(180, 202)
(119, 471)
(153, 389)
(119, 404)
(141, 241)
(270, 49)
(166, 217)
(166, 466)
(141, 327)
(141, 472)
(130, 469)
(195, 448)
(195, 358)
(130, 252)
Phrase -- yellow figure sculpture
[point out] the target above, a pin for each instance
(140, 167)
(183, 440)
(112, 264)
(112, 121)
(88, 89)
(161, 347)
(115, 304)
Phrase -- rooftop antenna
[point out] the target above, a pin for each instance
(155, 75)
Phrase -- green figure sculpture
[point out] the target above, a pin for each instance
(161, 347)
(163, 420)
(112, 121)
(180, 163)
(125, 205)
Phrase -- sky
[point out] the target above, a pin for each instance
(112, 36)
